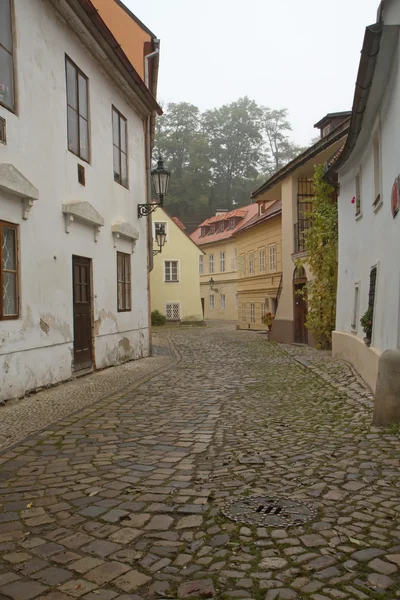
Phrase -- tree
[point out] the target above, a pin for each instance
(279, 150)
(321, 243)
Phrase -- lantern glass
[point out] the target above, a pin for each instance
(160, 176)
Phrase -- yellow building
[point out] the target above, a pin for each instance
(293, 185)
(219, 266)
(174, 280)
(258, 244)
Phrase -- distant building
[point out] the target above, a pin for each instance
(174, 280)
(293, 186)
(74, 113)
(219, 266)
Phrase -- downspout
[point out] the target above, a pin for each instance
(148, 57)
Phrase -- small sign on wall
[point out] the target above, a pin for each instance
(395, 200)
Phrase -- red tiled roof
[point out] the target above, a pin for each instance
(272, 211)
(245, 213)
(179, 223)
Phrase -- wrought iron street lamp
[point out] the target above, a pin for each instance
(160, 177)
(160, 238)
(212, 288)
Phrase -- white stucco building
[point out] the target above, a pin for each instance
(74, 255)
(368, 168)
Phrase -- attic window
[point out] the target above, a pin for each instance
(232, 223)
(212, 229)
(326, 130)
(221, 227)
(203, 232)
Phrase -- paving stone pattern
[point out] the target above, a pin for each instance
(122, 501)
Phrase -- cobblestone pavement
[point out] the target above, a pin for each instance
(123, 499)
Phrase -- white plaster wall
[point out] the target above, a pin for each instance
(37, 147)
(375, 237)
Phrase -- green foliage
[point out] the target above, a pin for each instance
(217, 158)
(366, 323)
(321, 242)
(267, 319)
(157, 318)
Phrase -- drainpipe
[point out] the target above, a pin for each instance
(148, 57)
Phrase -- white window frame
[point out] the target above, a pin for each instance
(232, 224)
(222, 301)
(180, 309)
(211, 263)
(244, 316)
(222, 262)
(171, 260)
(251, 263)
(201, 264)
(211, 301)
(165, 229)
(235, 259)
(221, 227)
(355, 310)
(243, 265)
(377, 165)
(272, 258)
(252, 312)
(261, 260)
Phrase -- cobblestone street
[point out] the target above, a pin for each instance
(123, 498)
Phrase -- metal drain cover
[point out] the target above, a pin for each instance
(266, 511)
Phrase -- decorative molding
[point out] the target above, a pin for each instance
(84, 212)
(17, 185)
(124, 229)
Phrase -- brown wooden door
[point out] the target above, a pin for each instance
(81, 277)
(202, 305)
(300, 314)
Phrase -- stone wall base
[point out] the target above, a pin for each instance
(364, 359)
(387, 394)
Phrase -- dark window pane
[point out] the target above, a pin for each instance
(115, 124)
(127, 269)
(120, 296)
(5, 24)
(73, 130)
(127, 296)
(6, 79)
(8, 250)
(72, 96)
(10, 302)
(123, 136)
(83, 99)
(117, 166)
(84, 139)
(124, 170)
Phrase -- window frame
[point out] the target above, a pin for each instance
(222, 262)
(211, 304)
(13, 108)
(201, 264)
(251, 264)
(242, 265)
(232, 223)
(221, 227)
(178, 270)
(252, 312)
(244, 315)
(262, 311)
(222, 304)
(78, 72)
(261, 263)
(355, 310)
(126, 285)
(121, 119)
(211, 262)
(235, 259)
(16, 271)
(271, 268)
(155, 229)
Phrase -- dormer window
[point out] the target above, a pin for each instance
(212, 229)
(326, 130)
(232, 223)
(221, 227)
(203, 231)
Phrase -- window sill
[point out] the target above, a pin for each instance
(122, 185)
(85, 160)
(120, 310)
(376, 206)
(358, 217)
(171, 281)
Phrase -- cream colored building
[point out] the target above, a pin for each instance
(293, 185)
(216, 237)
(258, 244)
(174, 280)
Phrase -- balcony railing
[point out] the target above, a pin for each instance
(299, 230)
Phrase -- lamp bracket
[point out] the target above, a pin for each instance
(146, 209)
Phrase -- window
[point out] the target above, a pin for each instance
(262, 311)
(9, 272)
(272, 258)
(252, 313)
(221, 227)
(326, 130)
(173, 311)
(243, 313)
(261, 260)
(7, 98)
(77, 111)
(211, 301)
(377, 168)
(242, 265)
(358, 194)
(171, 270)
(222, 301)
(211, 263)
(231, 223)
(354, 317)
(203, 231)
(235, 259)
(124, 281)
(201, 264)
(120, 152)
(251, 263)
(237, 301)
(212, 229)
(372, 293)
(222, 261)
(159, 225)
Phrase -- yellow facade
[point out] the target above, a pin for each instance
(219, 264)
(174, 280)
(259, 250)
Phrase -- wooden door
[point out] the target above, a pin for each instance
(202, 306)
(81, 277)
(300, 314)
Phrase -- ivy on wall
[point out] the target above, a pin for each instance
(321, 244)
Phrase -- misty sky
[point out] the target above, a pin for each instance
(297, 54)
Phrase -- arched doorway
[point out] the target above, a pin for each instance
(300, 306)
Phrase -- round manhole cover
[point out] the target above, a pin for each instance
(266, 511)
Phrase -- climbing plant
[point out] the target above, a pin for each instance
(321, 242)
